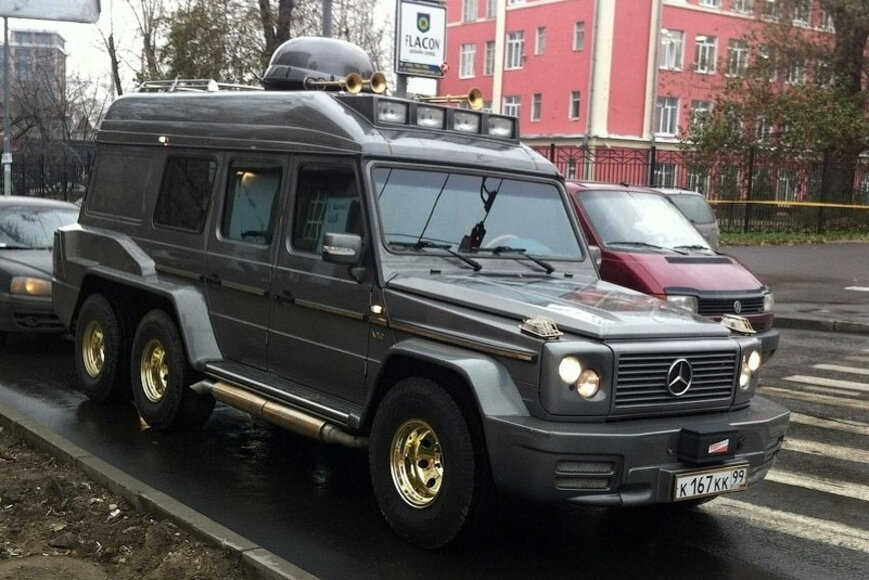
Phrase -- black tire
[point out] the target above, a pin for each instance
(3, 337)
(161, 377)
(102, 351)
(443, 476)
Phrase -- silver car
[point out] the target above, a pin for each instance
(697, 210)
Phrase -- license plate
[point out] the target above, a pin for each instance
(711, 482)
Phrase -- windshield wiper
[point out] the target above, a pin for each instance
(644, 245)
(497, 250)
(423, 244)
(693, 247)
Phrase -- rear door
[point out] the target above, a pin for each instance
(319, 327)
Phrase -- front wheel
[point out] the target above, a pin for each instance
(162, 375)
(427, 463)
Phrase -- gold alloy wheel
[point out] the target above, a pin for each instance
(93, 349)
(417, 463)
(154, 371)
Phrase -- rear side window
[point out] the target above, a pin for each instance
(118, 187)
(251, 197)
(184, 193)
(327, 201)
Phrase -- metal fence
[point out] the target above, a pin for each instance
(755, 192)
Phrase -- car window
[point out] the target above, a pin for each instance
(327, 201)
(450, 208)
(31, 227)
(184, 193)
(694, 207)
(252, 192)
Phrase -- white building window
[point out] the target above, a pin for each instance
(536, 106)
(705, 54)
(668, 115)
(579, 36)
(575, 104)
(665, 175)
(511, 105)
(796, 72)
(711, 3)
(826, 22)
(743, 6)
(515, 50)
(802, 12)
(698, 181)
(786, 186)
(700, 111)
(540, 41)
(489, 66)
(762, 130)
(466, 64)
(672, 51)
(491, 6)
(469, 10)
(737, 57)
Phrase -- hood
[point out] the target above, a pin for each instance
(27, 262)
(590, 308)
(702, 272)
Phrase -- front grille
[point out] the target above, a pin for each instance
(719, 306)
(584, 475)
(641, 381)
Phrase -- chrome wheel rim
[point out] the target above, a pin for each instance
(154, 371)
(417, 463)
(93, 349)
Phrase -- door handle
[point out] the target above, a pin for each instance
(284, 296)
(211, 279)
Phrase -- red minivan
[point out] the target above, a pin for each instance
(648, 245)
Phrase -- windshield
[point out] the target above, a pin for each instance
(23, 227)
(469, 213)
(629, 217)
(695, 207)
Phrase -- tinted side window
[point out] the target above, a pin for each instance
(327, 200)
(184, 193)
(251, 196)
(118, 187)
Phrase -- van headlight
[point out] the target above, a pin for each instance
(686, 302)
(30, 286)
(768, 302)
(586, 381)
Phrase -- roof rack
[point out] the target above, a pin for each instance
(192, 86)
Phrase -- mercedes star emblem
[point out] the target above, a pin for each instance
(679, 377)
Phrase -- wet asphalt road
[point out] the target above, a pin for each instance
(312, 504)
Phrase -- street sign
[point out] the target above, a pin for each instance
(420, 39)
(65, 10)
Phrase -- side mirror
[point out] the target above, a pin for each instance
(596, 254)
(342, 248)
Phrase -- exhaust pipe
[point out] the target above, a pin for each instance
(281, 415)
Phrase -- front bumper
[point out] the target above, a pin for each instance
(28, 314)
(622, 463)
(768, 343)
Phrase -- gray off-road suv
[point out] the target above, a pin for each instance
(397, 275)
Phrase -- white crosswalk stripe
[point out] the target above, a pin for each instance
(825, 382)
(842, 488)
(796, 525)
(842, 369)
(857, 358)
(834, 451)
(846, 425)
(814, 398)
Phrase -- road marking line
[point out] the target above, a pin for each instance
(845, 489)
(858, 358)
(824, 382)
(813, 398)
(804, 527)
(828, 391)
(846, 425)
(858, 288)
(835, 451)
(841, 369)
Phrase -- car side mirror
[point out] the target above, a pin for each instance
(596, 254)
(342, 248)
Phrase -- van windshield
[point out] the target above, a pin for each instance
(474, 213)
(695, 207)
(639, 218)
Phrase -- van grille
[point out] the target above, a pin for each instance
(641, 382)
(719, 306)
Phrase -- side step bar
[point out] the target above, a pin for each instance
(281, 415)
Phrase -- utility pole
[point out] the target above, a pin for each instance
(327, 18)
(7, 130)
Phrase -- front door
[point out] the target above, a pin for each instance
(319, 328)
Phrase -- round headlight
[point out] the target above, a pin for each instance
(588, 384)
(753, 361)
(569, 369)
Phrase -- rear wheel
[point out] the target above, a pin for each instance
(427, 465)
(162, 375)
(102, 346)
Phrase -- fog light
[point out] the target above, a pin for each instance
(569, 369)
(588, 384)
(391, 112)
(430, 117)
(744, 377)
(466, 122)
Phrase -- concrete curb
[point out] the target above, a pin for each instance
(147, 499)
(825, 325)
